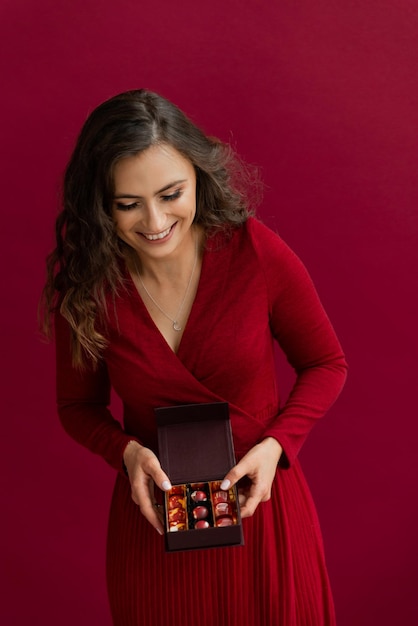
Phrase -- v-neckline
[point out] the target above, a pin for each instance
(190, 318)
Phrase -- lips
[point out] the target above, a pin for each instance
(158, 236)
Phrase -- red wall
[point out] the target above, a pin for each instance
(323, 95)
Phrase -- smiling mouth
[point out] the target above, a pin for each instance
(161, 235)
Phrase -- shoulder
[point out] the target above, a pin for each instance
(253, 239)
(281, 267)
(268, 244)
(261, 234)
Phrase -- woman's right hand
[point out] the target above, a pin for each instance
(144, 471)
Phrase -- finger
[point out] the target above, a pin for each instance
(249, 507)
(249, 499)
(143, 496)
(159, 509)
(153, 516)
(235, 474)
(156, 500)
(242, 498)
(149, 508)
(151, 466)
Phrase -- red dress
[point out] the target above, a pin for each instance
(252, 290)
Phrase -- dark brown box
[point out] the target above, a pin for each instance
(195, 445)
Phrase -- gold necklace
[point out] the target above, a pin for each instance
(175, 320)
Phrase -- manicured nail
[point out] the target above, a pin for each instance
(159, 531)
(225, 484)
(166, 485)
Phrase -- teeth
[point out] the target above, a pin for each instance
(159, 236)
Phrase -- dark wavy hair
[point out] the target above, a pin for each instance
(85, 265)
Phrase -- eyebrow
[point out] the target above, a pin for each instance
(129, 195)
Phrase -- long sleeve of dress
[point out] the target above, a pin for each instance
(305, 334)
(83, 398)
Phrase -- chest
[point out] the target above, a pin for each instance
(224, 344)
(169, 306)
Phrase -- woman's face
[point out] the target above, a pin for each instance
(155, 202)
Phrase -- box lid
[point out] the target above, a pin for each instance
(195, 441)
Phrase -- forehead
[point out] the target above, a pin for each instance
(151, 170)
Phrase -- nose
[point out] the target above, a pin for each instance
(154, 219)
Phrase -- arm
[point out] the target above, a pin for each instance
(300, 325)
(302, 328)
(83, 398)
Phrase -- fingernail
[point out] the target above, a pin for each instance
(225, 484)
(166, 485)
(159, 531)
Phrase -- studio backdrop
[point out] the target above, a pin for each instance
(322, 96)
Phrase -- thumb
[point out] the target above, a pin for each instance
(161, 479)
(146, 464)
(234, 475)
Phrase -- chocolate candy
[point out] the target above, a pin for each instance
(177, 515)
(174, 528)
(199, 506)
(202, 523)
(175, 501)
(198, 496)
(177, 490)
(222, 509)
(200, 512)
(220, 496)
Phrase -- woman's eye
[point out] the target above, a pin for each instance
(172, 196)
(126, 207)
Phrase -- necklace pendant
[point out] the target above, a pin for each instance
(176, 326)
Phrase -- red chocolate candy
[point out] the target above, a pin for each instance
(200, 512)
(198, 496)
(225, 521)
(175, 501)
(177, 490)
(202, 523)
(175, 527)
(223, 509)
(177, 515)
(220, 496)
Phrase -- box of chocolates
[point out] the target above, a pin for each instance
(196, 451)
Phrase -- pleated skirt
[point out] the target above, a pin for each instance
(278, 578)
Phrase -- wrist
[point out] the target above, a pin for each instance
(273, 446)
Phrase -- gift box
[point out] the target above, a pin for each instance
(196, 451)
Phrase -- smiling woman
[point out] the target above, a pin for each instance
(163, 286)
(84, 264)
(156, 218)
(158, 227)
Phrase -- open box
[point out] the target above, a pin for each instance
(196, 452)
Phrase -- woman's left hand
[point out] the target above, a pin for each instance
(259, 465)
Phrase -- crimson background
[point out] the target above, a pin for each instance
(323, 96)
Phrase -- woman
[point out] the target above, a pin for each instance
(166, 288)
